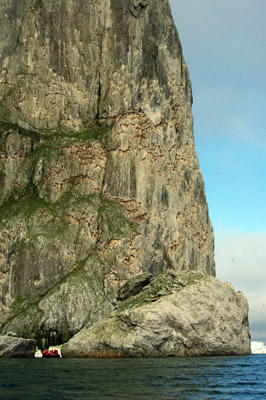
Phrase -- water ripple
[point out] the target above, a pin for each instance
(207, 378)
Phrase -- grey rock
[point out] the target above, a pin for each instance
(63, 63)
(80, 299)
(13, 334)
(137, 6)
(187, 315)
(15, 347)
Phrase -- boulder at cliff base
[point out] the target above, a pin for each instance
(187, 314)
(15, 347)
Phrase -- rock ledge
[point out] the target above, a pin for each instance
(187, 314)
(12, 346)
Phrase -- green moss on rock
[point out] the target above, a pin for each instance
(40, 223)
(113, 223)
(162, 285)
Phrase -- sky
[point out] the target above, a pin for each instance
(224, 45)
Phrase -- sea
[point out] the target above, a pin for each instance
(223, 378)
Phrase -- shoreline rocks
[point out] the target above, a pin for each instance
(12, 346)
(187, 314)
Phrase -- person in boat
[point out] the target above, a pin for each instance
(55, 353)
(51, 353)
(46, 353)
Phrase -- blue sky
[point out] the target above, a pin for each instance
(224, 44)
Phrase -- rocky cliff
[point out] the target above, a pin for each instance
(99, 176)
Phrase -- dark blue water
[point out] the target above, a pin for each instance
(223, 378)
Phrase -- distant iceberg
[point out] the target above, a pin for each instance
(258, 348)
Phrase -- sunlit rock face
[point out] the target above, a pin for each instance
(99, 176)
(183, 314)
(67, 62)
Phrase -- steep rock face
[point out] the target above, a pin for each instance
(185, 314)
(52, 276)
(64, 63)
(99, 177)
